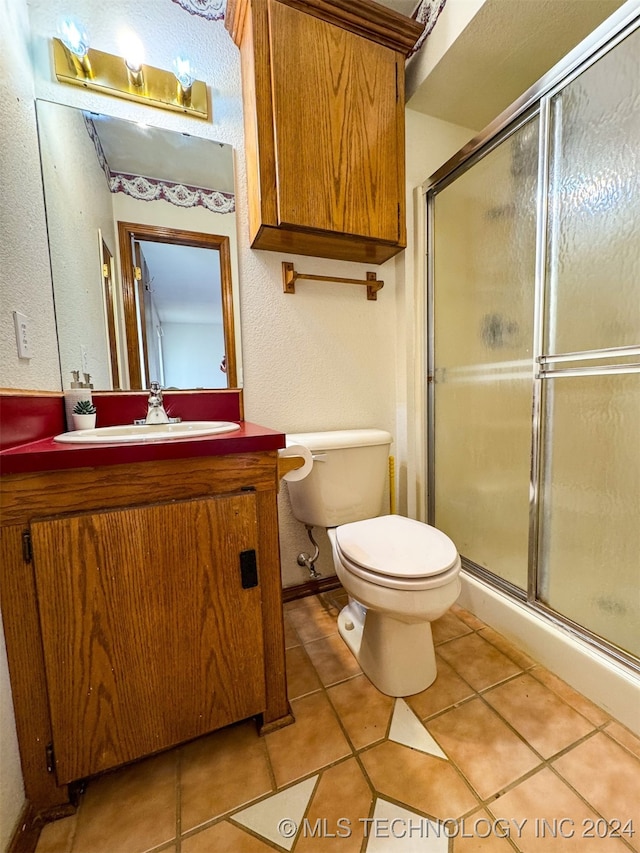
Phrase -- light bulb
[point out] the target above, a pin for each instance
(133, 52)
(73, 38)
(183, 71)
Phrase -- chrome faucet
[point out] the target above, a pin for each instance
(156, 413)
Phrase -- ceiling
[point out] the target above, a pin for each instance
(504, 49)
(405, 7)
(138, 149)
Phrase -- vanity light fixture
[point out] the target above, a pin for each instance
(78, 64)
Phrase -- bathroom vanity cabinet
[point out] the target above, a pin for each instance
(142, 608)
(323, 97)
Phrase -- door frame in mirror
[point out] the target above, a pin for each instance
(129, 231)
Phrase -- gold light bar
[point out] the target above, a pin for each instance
(109, 74)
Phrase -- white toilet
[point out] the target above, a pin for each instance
(400, 574)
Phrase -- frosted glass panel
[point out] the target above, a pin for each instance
(590, 547)
(484, 265)
(594, 236)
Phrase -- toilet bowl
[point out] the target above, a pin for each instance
(400, 576)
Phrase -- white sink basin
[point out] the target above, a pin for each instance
(146, 432)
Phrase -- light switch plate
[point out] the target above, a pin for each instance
(23, 334)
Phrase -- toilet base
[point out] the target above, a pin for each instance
(397, 657)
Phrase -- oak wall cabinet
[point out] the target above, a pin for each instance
(323, 99)
(142, 608)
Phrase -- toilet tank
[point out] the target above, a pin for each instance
(348, 477)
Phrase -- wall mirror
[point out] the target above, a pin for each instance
(143, 246)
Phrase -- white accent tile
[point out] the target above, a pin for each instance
(273, 818)
(407, 729)
(397, 830)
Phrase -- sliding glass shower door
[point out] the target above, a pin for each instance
(589, 559)
(484, 256)
(534, 367)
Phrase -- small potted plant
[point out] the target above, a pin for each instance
(84, 415)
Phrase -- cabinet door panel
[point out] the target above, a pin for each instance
(336, 127)
(149, 637)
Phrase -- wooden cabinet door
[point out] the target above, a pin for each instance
(338, 138)
(149, 636)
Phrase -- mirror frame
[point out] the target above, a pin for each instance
(129, 231)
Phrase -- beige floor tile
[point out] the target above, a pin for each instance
(447, 690)
(418, 780)
(583, 705)
(290, 636)
(364, 712)
(486, 750)
(507, 648)
(624, 736)
(313, 619)
(607, 776)
(224, 838)
(314, 741)
(301, 675)
(478, 833)
(332, 659)
(538, 714)
(448, 627)
(467, 617)
(344, 795)
(480, 663)
(57, 837)
(544, 797)
(221, 772)
(130, 810)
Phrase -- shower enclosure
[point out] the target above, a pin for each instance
(534, 346)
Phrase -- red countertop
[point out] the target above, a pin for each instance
(36, 419)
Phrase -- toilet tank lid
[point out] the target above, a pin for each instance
(336, 439)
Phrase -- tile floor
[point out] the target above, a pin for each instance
(498, 755)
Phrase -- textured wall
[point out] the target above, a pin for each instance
(25, 276)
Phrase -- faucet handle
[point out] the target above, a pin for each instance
(155, 394)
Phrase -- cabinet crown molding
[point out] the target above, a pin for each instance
(363, 17)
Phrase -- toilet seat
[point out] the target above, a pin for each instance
(397, 552)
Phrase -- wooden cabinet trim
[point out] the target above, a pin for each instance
(27, 496)
(369, 20)
(26, 667)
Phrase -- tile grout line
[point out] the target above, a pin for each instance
(543, 762)
(356, 753)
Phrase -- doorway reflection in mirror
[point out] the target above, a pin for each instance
(170, 189)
